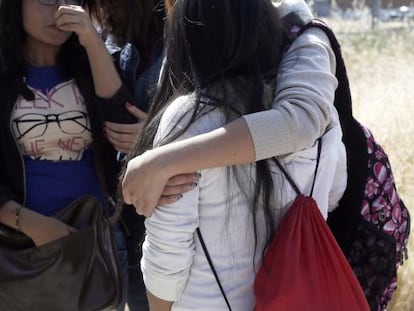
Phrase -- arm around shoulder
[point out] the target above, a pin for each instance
(303, 101)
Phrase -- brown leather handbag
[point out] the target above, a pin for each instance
(80, 272)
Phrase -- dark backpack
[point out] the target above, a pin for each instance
(371, 223)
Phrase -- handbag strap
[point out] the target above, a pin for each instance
(210, 263)
(289, 178)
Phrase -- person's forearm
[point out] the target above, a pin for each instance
(157, 304)
(105, 77)
(28, 221)
(8, 213)
(229, 145)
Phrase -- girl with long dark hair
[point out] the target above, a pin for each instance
(301, 111)
(222, 59)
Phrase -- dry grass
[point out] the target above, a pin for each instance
(381, 71)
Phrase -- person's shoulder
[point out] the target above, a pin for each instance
(180, 114)
(312, 35)
(181, 104)
(299, 7)
(181, 110)
(177, 109)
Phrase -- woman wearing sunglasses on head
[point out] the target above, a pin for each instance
(57, 82)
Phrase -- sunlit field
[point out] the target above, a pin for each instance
(380, 66)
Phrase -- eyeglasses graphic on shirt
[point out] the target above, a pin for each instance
(34, 125)
(63, 2)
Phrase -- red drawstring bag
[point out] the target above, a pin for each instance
(304, 268)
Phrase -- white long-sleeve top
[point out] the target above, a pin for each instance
(173, 263)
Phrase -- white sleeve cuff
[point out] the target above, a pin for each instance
(169, 289)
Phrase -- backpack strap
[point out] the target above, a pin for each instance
(289, 178)
(342, 221)
(294, 186)
(210, 263)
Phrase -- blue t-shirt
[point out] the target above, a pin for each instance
(54, 135)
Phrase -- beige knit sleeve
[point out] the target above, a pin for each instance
(303, 106)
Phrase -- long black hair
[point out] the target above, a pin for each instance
(233, 44)
(72, 57)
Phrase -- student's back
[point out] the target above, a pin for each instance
(219, 81)
(223, 212)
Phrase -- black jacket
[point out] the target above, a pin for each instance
(12, 175)
(142, 85)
